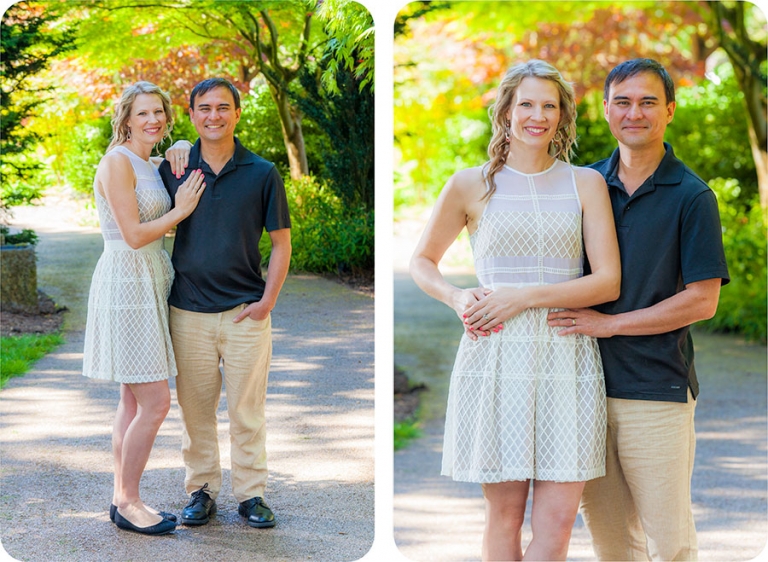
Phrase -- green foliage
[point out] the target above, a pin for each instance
(28, 42)
(26, 236)
(259, 128)
(347, 119)
(18, 353)
(593, 135)
(406, 431)
(350, 28)
(709, 132)
(437, 152)
(328, 235)
(20, 188)
(87, 143)
(743, 307)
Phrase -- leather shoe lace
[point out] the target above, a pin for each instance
(199, 509)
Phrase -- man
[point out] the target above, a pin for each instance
(672, 267)
(220, 305)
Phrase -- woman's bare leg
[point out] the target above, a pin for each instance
(153, 402)
(504, 515)
(555, 505)
(126, 411)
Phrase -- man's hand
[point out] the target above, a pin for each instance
(582, 321)
(256, 311)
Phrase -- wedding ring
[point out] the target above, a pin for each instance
(485, 316)
(574, 321)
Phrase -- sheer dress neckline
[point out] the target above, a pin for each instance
(508, 167)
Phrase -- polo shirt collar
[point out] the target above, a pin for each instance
(669, 172)
(241, 157)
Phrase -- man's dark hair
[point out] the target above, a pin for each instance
(207, 85)
(630, 68)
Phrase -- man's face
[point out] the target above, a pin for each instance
(637, 111)
(214, 115)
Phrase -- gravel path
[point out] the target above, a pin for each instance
(55, 433)
(438, 519)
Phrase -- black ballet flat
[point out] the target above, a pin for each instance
(163, 514)
(163, 528)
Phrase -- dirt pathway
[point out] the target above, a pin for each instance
(55, 432)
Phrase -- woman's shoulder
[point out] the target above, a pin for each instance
(467, 180)
(589, 175)
(588, 179)
(114, 162)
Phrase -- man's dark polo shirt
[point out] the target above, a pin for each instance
(669, 236)
(216, 252)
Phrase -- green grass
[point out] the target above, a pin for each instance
(405, 431)
(18, 353)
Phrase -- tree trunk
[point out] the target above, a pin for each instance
(760, 155)
(756, 109)
(746, 55)
(293, 136)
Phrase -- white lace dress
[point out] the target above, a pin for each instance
(126, 333)
(525, 402)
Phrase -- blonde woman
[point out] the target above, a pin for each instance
(126, 337)
(525, 404)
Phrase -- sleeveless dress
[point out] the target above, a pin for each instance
(126, 334)
(525, 402)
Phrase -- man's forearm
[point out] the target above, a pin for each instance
(697, 302)
(279, 263)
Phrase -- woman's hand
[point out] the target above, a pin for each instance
(178, 157)
(465, 298)
(189, 192)
(463, 301)
(495, 308)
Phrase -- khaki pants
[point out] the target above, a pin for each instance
(641, 508)
(199, 341)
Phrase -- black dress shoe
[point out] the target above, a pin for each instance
(257, 513)
(199, 509)
(163, 528)
(163, 514)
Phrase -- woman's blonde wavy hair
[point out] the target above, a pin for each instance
(120, 132)
(565, 138)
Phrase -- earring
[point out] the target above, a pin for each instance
(128, 134)
(506, 132)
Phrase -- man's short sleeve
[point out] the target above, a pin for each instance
(702, 256)
(275, 203)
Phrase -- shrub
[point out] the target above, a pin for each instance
(327, 235)
(86, 145)
(406, 431)
(26, 236)
(743, 305)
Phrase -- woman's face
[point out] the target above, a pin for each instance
(535, 113)
(147, 121)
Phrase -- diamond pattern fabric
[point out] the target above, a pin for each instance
(126, 334)
(525, 402)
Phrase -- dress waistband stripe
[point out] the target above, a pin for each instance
(117, 245)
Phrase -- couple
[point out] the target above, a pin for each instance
(527, 399)
(219, 303)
